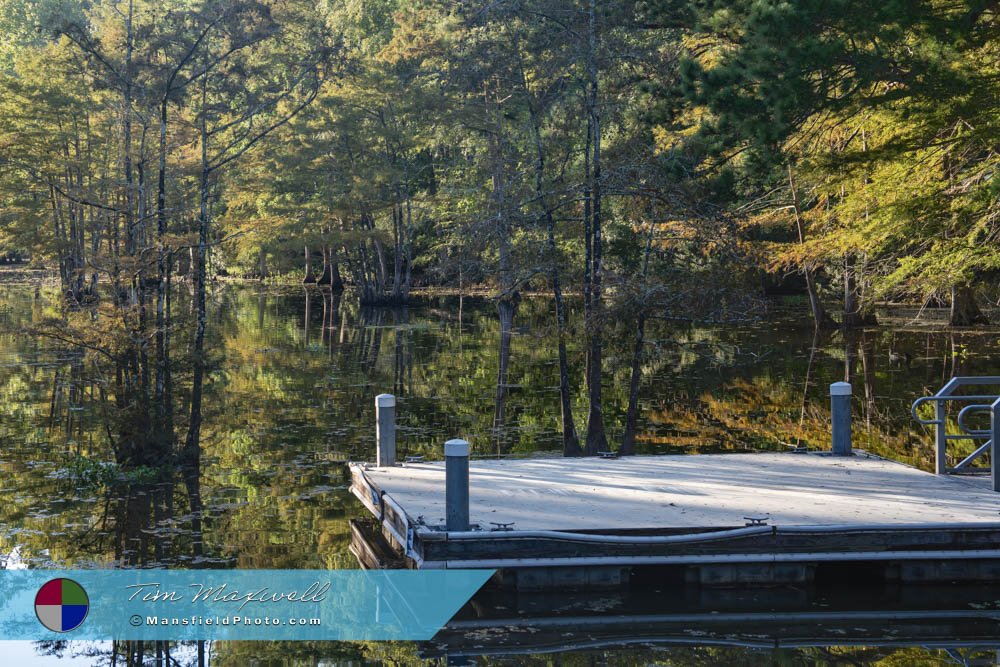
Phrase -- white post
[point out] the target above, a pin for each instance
(456, 484)
(840, 409)
(385, 430)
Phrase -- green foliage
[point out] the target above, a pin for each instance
(885, 112)
(882, 113)
(88, 472)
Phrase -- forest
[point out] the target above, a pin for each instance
(647, 159)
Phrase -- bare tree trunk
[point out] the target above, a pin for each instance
(407, 280)
(597, 440)
(850, 354)
(632, 414)
(964, 309)
(571, 441)
(507, 299)
(821, 319)
(852, 317)
(336, 280)
(397, 253)
(261, 264)
(309, 277)
(327, 277)
(164, 423)
(60, 234)
(855, 313)
(192, 443)
(382, 274)
(127, 136)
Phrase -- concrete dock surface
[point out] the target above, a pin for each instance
(696, 491)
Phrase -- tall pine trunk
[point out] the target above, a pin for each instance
(507, 299)
(597, 440)
(164, 426)
(192, 443)
(635, 380)
(570, 439)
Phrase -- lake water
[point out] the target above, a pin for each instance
(290, 399)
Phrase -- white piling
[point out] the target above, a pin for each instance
(840, 410)
(385, 430)
(456, 484)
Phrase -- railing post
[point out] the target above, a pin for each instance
(840, 411)
(456, 484)
(385, 430)
(994, 447)
(940, 441)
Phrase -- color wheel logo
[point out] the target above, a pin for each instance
(61, 605)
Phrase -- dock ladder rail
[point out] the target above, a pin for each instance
(975, 403)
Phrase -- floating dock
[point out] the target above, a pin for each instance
(713, 520)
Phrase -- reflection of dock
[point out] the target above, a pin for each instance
(712, 519)
(497, 623)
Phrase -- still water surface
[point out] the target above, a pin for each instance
(291, 399)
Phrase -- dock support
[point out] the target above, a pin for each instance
(840, 409)
(456, 483)
(385, 430)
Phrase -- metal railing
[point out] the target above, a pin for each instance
(976, 403)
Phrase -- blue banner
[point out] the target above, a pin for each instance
(231, 604)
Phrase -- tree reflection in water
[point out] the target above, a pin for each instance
(288, 397)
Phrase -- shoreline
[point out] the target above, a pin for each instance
(894, 314)
(14, 274)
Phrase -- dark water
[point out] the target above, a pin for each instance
(291, 398)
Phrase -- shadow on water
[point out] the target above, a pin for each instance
(288, 399)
